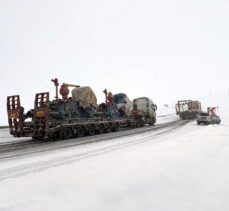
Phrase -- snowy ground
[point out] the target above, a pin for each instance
(185, 169)
(6, 137)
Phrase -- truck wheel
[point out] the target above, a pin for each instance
(152, 121)
(91, 130)
(80, 132)
(66, 133)
(115, 127)
(198, 123)
(138, 124)
(100, 129)
(108, 128)
(142, 124)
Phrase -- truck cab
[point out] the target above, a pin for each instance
(148, 107)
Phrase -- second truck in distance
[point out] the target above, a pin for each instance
(188, 109)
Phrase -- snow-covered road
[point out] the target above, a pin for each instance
(165, 115)
(54, 153)
(182, 169)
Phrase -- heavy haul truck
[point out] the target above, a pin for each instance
(71, 116)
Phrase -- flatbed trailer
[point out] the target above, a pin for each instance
(43, 126)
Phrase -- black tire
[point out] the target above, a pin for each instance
(108, 128)
(66, 133)
(55, 136)
(198, 123)
(80, 132)
(138, 124)
(100, 129)
(91, 130)
(142, 124)
(152, 121)
(115, 127)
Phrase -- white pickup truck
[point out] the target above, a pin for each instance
(206, 118)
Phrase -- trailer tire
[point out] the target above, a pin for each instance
(91, 130)
(108, 128)
(100, 129)
(138, 124)
(115, 127)
(66, 133)
(142, 124)
(80, 132)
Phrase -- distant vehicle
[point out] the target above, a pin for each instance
(148, 108)
(206, 118)
(188, 109)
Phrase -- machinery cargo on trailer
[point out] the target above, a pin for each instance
(68, 117)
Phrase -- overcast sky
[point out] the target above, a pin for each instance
(164, 49)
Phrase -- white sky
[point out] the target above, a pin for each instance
(166, 50)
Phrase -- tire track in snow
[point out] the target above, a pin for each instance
(64, 160)
(16, 151)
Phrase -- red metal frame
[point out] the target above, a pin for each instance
(41, 115)
(15, 115)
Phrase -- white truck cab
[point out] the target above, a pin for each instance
(148, 107)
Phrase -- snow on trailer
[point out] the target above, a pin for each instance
(69, 117)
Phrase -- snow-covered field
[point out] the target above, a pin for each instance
(184, 169)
